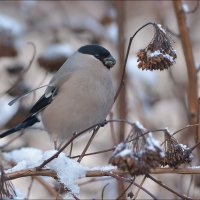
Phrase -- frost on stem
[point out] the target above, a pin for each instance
(159, 54)
(140, 156)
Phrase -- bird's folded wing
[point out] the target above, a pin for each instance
(44, 100)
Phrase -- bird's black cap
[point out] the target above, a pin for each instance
(100, 53)
(95, 50)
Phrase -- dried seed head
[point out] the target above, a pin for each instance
(175, 153)
(137, 158)
(159, 54)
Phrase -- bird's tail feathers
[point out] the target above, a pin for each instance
(29, 121)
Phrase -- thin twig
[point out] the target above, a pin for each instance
(124, 192)
(94, 153)
(88, 144)
(190, 184)
(30, 187)
(65, 146)
(50, 189)
(71, 148)
(143, 180)
(126, 59)
(103, 191)
(169, 189)
(129, 180)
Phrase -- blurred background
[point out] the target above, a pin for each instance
(58, 28)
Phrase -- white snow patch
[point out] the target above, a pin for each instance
(151, 141)
(185, 7)
(11, 25)
(195, 167)
(25, 158)
(160, 27)
(19, 195)
(183, 146)
(153, 144)
(56, 50)
(139, 125)
(125, 152)
(68, 170)
(112, 32)
(157, 53)
(104, 168)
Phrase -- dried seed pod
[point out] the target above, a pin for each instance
(175, 153)
(159, 54)
(141, 156)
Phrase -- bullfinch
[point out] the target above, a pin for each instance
(79, 95)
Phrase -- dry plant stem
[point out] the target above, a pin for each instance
(191, 70)
(124, 192)
(103, 191)
(94, 153)
(30, 187)
(166, 187)
(71, 149)
(77, 135)
(117, 177)
(126, 58)
(64, 146)
(112, 130)
(23, 72)
(137, 193)
(190, 185)
(121, 106)
(97, 173)
(88, 144)
(50, 189)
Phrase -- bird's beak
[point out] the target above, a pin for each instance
(109, 61)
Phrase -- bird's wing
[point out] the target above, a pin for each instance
(44, 100)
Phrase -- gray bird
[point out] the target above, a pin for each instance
(79, 95)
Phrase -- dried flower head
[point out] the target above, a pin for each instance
(159, 54)
(137, 157)
(175, 153)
